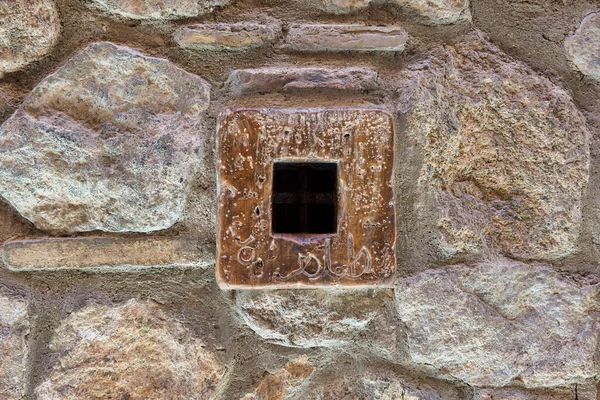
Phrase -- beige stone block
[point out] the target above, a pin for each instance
(225, 36)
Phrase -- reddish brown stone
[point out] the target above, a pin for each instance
(359, 252)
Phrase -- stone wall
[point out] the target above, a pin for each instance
(107, 178)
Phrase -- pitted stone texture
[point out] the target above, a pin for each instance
(428, 12)
(282, 79)
(313, 318)
(109, 142)
(437, 12)
(156, 9)
(225, 36)
(281, 385)
(499, 322)
(343, 6)
(29, 29)
(583, 47)
(584, 392)
(14, 328)
(505, 153)
(320, 38)
(380, 385)
(130, 351)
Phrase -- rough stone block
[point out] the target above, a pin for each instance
(14, 331)
(585, 391)
(110, 141)
(284, 382)
(346, 38)
(134, 350)
(281, 79)
(311, 318)
(504, 155)
(503, 323)
(29, 29)
(103, 253)
(156, 9)
(437, 12)
(583, 47)
(225, 36)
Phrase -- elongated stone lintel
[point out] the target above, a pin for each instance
(104, 253)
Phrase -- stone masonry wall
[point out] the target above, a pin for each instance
(108, 112)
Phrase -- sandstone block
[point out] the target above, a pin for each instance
(281, 79)
(313, 318)
(282, 384)
(502, 322)
(225, 36)
(437, 12)
(317, 38)
(130, 351)
(505, 155)
(14, 329)
(109, 142)
(583, 47)
(104, 253)
(156, 9)
(29, 29)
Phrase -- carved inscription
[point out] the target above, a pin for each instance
(361, 250)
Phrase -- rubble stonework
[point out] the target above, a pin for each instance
(505, 154)
(14, 331)
(109, 142)
(138, 262)
(29, 29)
(149, 354)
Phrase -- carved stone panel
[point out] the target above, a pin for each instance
(325, 175)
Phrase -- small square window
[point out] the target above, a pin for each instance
(304, 198)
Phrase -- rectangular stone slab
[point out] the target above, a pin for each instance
(102, 252)
(362, 250)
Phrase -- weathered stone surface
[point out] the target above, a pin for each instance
(581, 392)
(343, 6)
(583, 47)
(380, 385)
(281, 79)
(156, 9)
(437, 12)
(14, 328)
(346, 38)
(499, 322)
(110, 142)
(29, 29)
(225, 36)
(312, 318)
(112, 254)
(505, 153)
(428, 12)
(280, 385)
(130, 351)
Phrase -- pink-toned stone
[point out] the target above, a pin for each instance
(14, 330)
(282, 384)
(129, 351)
(583, 47)
(281, 79)
(29, 29)
(225, 36)
(156, 9)
(505, 155)
(586, 391)
(110, 141)
(503, 323)
(318, 38)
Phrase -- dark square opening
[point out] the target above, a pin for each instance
(304, 197)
